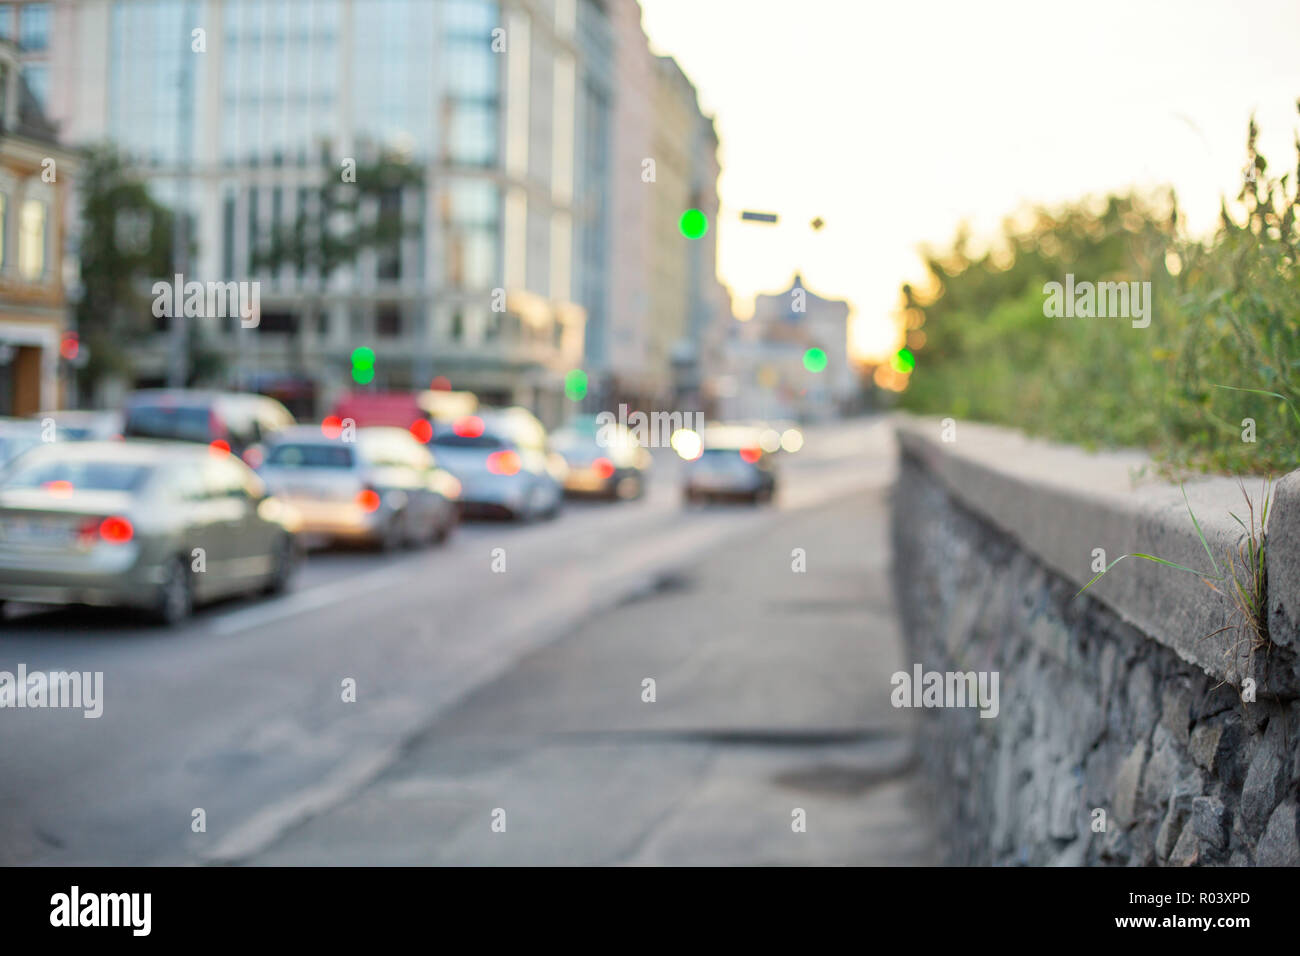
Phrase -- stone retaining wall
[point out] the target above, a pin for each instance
(1121, 735)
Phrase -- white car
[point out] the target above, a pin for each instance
(17, 435)
(84, 425)
(503, 463)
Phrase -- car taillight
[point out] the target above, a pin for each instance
(116, 530)
(220, 448)
(422, 430)
(503, 463)
(751, 455)
(471, 426)
(59, 489)
(368, 499)
(603, 467)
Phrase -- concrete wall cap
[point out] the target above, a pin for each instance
(1061, 502)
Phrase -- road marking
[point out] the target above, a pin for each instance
(269, 824)
(322, 595)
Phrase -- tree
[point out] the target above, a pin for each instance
(355, 209)
(125, 242)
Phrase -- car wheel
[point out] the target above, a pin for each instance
(627, 488)
(423, 535)
(532, 509)
(443, 530)
(285, 564)
(557, 503)
(393, 536)
(175, 601)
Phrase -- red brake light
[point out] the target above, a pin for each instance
(368, 499)
(751, 455)
(220, 448)
(331, 427)
(471, 426)
(69, 346)
(422, 430)
(504, 463)
(603, 467)
(116, 530)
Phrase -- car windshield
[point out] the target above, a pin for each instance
(452, 440)
(185, 423)
(569, 440)
(14, 445)
(723, 458)
(309, 455)
(81, 475)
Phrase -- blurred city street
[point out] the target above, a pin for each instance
(518, 690)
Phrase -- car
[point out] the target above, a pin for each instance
(504, 466)
(383, 488)
(602, 460)
(731, 464)
(84, 425)
(152, 525)
(17, 435)
(404, 409)
(237, 421)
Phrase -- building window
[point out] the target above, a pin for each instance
(388, 256)
(34, 26)
(472, 134)
(37, 78)
(31, 240)
(388, 322)
(278, 323)
(471, 210)
(228, 236)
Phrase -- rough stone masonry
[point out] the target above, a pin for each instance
(1095, 715)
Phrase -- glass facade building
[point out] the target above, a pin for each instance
(241, 125)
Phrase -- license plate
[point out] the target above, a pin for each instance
(50, 532)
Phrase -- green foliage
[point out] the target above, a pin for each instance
(1223, 344)
(344, 219)
(126, 242)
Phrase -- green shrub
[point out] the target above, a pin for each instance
(1225, 329)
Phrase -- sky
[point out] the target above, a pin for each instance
(896, 122)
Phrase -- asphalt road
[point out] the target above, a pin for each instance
(521, 691)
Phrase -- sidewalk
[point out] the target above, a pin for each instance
(772, 694)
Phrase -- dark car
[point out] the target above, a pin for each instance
(240, 420)
(603, 460)
(731, 465)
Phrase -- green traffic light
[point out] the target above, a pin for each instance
(903, 362)
(814, 360)
(693, 224)
(575, 385)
